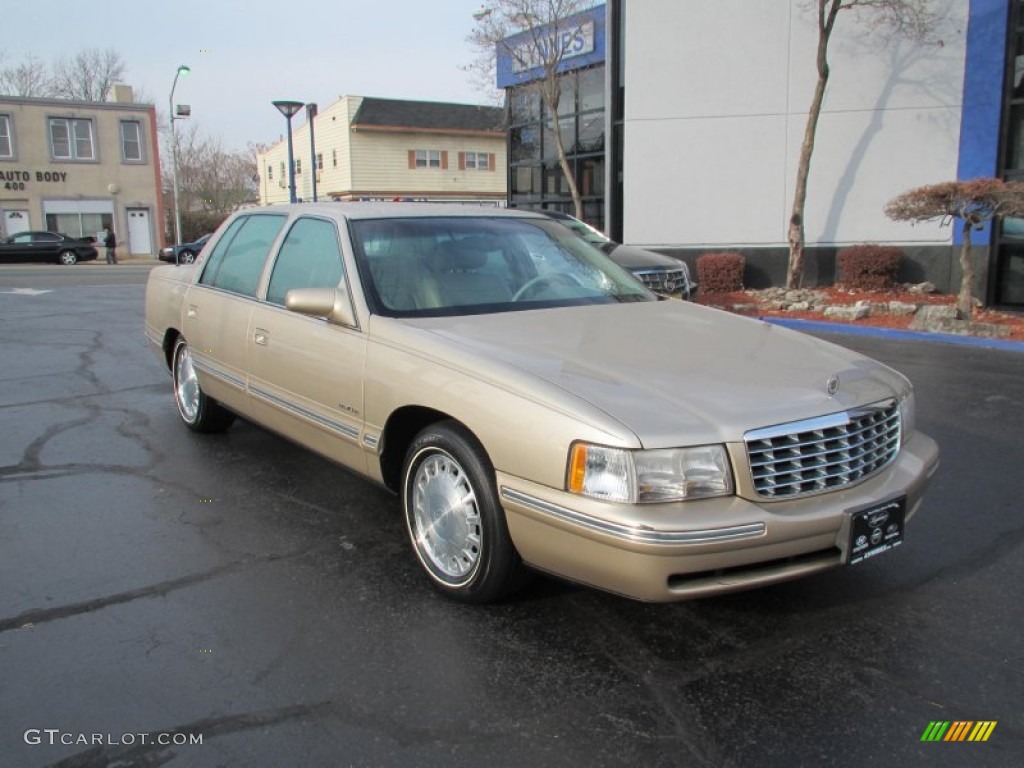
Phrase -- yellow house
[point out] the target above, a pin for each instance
(78, 166)
(388, 149)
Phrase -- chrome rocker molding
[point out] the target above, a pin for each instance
(630, 533)
(335, 426)
(212, 369)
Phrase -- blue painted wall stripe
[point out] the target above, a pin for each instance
(984, 70)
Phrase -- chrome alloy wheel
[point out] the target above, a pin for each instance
(445, 516)
(186, 385)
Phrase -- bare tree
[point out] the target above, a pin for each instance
(913, 19)
(88, 75)
(30, 78)
(974, 202)
(212, 181)
(540, 29)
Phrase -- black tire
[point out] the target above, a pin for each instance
(465, 550)
(186, 257)
(200, 412)
(67, 258)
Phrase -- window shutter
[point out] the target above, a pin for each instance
(412, 158)
(462, 161)
(444, 159)
(491, 164)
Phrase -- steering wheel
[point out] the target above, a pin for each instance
(551, 278)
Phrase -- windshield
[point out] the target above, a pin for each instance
(465, 265)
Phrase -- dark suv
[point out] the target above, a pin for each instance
(660, 273)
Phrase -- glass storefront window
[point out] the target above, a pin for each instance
(591, 138)
(525, 144)
(591, 177)
(591, 89)
(1015, 136)
(1011, 275)
(554, 181)
(524, 106)
(567, 94)
(567, 126)
(526, 180)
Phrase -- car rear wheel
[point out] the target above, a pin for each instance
(200, 412)
(186, 257)
(455, 521)
(68, 258)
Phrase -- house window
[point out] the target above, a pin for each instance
(334, 157)
(282, 169)
(298, 166)
(6, 144)
(270, 172)
(320, 161)
(428, 158)
(477, 161)
(71, 139)
(131, 141)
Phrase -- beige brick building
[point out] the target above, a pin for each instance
(77, 166)
(386, 149)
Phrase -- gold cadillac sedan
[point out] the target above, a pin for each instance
(534, 406)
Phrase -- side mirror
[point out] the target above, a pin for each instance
(329, 303)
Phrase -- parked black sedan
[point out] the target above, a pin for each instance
(660, 273)
(46, 246)
(183, 253)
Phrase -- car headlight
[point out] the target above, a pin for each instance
(908, 415)
(671, 474)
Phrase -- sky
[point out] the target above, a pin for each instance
(246, 54)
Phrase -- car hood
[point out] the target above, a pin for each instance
(670, 371)
(631, 257)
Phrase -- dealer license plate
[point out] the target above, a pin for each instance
(876, 530)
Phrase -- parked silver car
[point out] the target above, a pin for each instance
(511, 384)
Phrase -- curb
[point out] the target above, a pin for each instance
(895, 333)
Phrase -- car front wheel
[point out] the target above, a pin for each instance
(186, 257)
(68, 258)
(455, 521)
(200, 412)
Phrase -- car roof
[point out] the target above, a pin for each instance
(374, 210)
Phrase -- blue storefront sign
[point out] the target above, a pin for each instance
(575, 42)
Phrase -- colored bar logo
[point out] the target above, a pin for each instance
(959, 730)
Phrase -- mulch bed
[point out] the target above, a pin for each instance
(747, 300)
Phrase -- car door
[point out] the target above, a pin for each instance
(17, 247)
(46, 246)
(307, 373)
(218, 308)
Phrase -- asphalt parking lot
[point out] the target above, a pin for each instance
(159, 586)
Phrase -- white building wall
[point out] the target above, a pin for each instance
(716, 106)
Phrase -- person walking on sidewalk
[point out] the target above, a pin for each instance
(110, 243)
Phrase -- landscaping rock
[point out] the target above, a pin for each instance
(799, 306)
(931, 315)
(846, 312)
(922, 288)
(902, 308)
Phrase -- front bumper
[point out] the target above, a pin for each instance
(667, 552)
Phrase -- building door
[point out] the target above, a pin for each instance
(140, 240)
(15, 222)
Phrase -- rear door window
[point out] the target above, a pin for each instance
(237, 262)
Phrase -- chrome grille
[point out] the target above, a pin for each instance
(662, 280)
(824, 454)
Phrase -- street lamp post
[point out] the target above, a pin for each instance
(288, 109)
(182, 70)
(311, 112)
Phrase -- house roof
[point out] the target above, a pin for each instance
(394, 114)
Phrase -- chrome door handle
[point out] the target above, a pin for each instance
(260, 337)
